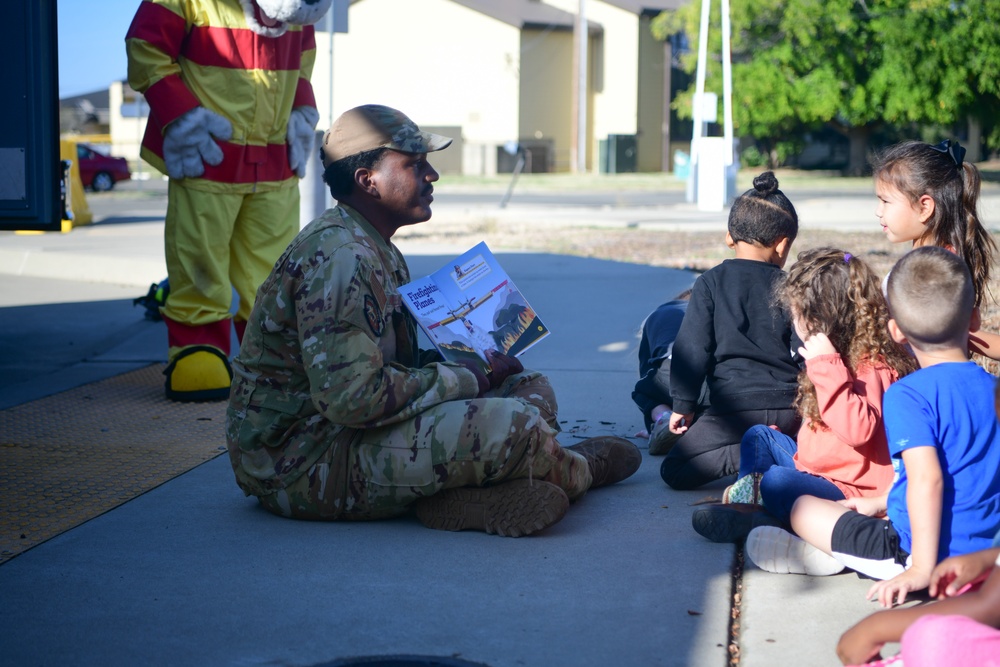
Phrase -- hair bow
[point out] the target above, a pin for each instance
(952, 148)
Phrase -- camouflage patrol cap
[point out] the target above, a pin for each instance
(372, 126)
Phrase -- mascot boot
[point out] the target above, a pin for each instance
(199, 373)
(199, 367)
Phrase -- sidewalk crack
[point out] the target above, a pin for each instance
(736, 602)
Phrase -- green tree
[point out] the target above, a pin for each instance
(796, 65)
(852, 65)
(940, 63)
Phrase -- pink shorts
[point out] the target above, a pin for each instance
(943, 641)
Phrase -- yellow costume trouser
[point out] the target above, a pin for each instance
(216, 242)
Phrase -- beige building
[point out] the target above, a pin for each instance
(630, 82)
(128, 113)
(492, 74)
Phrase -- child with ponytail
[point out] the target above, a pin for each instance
(929, 195)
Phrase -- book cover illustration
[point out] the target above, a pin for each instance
(471, 308)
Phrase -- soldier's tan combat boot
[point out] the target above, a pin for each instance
(611, 459)
(512, 509)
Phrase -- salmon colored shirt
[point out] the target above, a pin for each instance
(851, 449)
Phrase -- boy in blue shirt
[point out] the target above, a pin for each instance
(944, 441)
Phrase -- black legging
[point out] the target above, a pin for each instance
(710, 448)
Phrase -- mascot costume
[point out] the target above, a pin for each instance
(232, 121)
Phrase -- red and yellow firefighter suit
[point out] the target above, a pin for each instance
(225, 229)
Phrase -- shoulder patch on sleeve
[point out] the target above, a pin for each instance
(373, 315)
(368, 276)
(374, 302)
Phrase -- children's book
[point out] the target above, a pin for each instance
(471, 308)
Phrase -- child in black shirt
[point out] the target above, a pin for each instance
(734, 340)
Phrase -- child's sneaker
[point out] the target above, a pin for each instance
(661, 438)
(776, 550)
(745, 490)
(730, 523)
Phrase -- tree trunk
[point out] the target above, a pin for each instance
(973, 152)
(857, 164)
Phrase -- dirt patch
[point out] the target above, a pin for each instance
(653, 247)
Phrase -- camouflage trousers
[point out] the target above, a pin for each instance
(509, 434)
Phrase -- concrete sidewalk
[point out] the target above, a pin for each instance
(193, 573)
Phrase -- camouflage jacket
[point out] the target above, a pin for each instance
(329, 351)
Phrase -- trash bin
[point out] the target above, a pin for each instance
(682, 165)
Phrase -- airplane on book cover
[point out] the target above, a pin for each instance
(464, 308)
(474, 335)
(512, 318)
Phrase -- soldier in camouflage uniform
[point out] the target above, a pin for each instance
(335, 414)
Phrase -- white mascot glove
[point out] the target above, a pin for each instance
(301, 137)
(189, 142)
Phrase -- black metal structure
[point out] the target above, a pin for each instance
(32, 190)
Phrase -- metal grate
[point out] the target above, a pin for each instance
(70, 457)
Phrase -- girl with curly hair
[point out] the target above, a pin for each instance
(838, 310)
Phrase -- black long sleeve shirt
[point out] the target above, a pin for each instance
(733, 338)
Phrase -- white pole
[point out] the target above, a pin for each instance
(313, 193)
(581, 125)
(333, 26)
(314, 196)
(727, 85)
(697, 129)
(326, 201)
(141, 111)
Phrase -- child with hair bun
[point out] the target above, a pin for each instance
(837, 308)
(731, 339)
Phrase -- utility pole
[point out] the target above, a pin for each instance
(712, 178)
(578, 145)
(333, 29)
(314, 196)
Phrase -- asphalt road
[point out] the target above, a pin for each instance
(604, 198)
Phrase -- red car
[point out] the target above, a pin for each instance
(98, 171)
